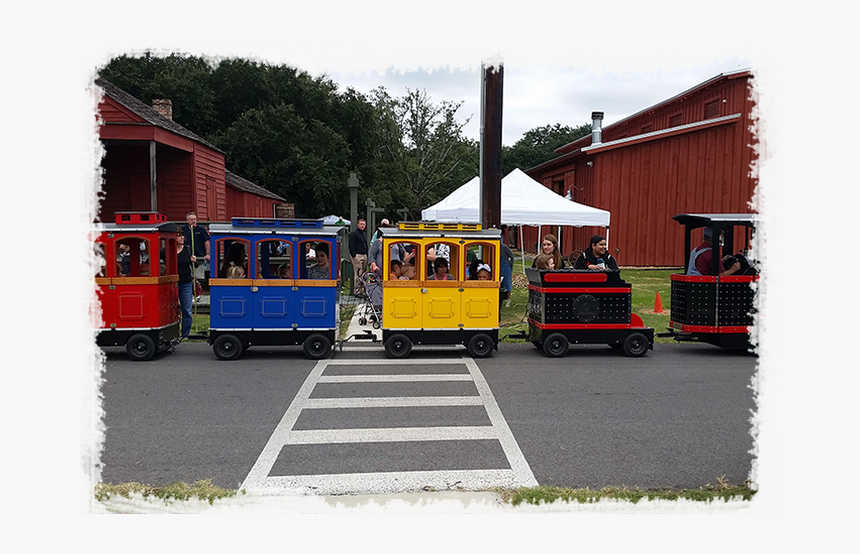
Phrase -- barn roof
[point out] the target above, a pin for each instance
(247, 186)
(585, 141)
(148, 113)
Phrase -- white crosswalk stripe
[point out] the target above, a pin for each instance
(260, 480)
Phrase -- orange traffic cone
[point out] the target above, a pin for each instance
(658, 305)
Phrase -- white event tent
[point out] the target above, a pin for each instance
(524, 202)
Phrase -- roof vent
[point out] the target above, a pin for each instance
(596, 127)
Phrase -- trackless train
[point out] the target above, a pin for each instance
(278, 282)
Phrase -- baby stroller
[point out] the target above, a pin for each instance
(373, 303)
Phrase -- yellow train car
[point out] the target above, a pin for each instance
(455, 301)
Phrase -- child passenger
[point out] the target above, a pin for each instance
(397, 271)
(440, 266)
(545, 261)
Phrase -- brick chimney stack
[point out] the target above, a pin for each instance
(164, 107)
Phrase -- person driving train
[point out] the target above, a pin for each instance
(701, 256)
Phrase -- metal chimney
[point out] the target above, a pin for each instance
(596, 127)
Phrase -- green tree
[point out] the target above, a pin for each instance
(303, 161)
(423, 147)
(539, 145)
(183, 79)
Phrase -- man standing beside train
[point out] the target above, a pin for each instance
(197, 238)
(358, 252)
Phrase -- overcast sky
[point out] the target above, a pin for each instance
(534, 97)
(562, 60)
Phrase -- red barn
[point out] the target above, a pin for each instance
(152, 163)
(689, 154)
(245, 199)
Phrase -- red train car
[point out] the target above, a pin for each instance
(136, 285)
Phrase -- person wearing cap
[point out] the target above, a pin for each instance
(701, 256)
(383, 223)
(596, 257)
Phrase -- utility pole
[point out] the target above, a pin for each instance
(372, 210)
(352, 183)
(492, 77)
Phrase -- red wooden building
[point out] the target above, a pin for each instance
(152, 163)
(688, 154)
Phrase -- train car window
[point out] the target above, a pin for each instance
(407, 253)
(481, 255)
(132, 257)
(231, 258)
(447, 251)
(101, 260)
(273, 259)
(318, 260)
(163, 258)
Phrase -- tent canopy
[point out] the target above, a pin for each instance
(333, 219)
(524, 202)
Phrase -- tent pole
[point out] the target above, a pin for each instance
(523, 249)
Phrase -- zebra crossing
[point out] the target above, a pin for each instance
(361, 425)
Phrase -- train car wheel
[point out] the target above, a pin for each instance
(635, 345)
(316, 346)
(227, 347)
(398, 346)
(556, 345)
(480, 345)
(140, 347)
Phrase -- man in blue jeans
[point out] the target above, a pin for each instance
(185, 259)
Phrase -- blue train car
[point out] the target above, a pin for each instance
(274, 282)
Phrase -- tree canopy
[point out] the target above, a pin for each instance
(300, 136)
(538, 145)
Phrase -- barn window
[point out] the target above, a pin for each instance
(712, 109)
(676, 120)
(646, 128)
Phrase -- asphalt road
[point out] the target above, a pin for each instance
(359, 423)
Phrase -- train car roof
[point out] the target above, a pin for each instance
(702, 220)
(166, 227)
(279, 227)
(440, 230)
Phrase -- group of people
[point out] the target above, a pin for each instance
(594, 257)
